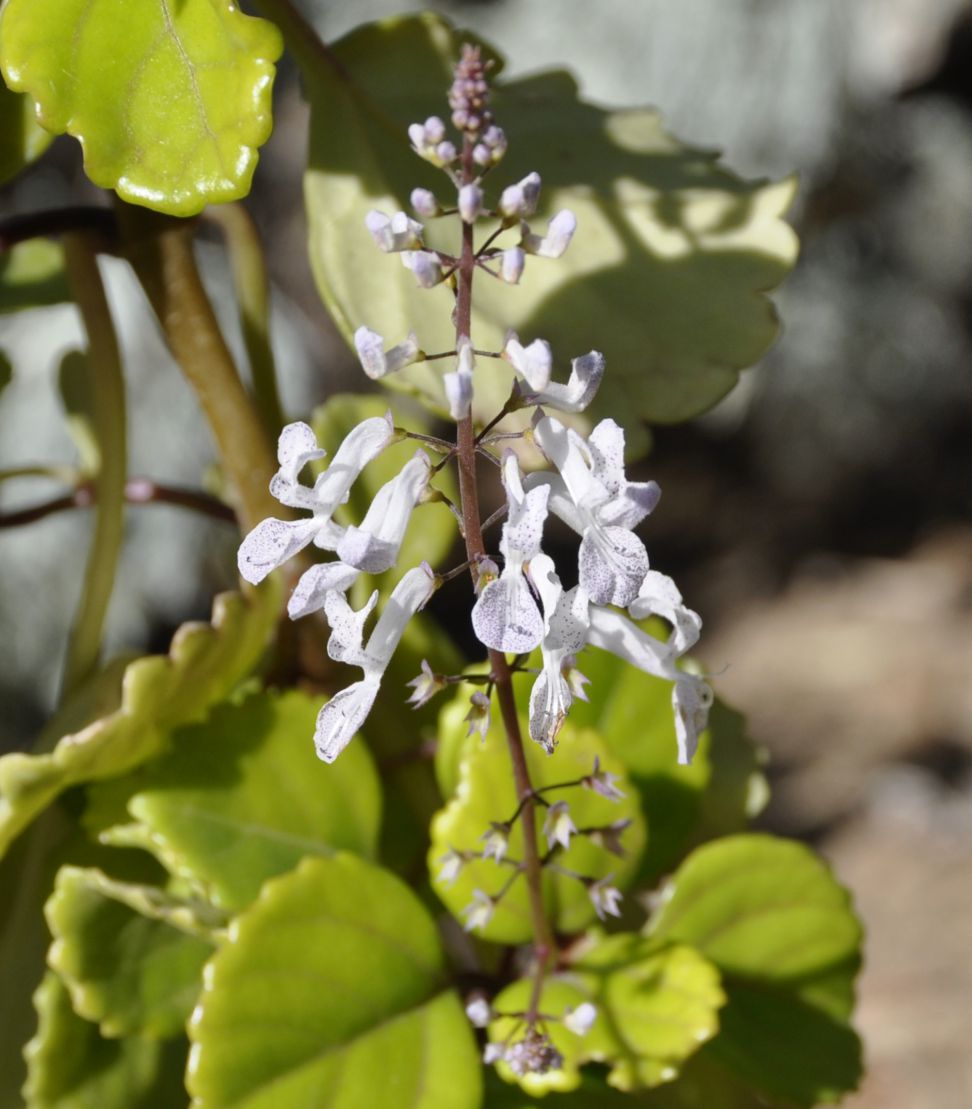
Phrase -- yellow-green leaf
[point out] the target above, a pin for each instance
(170, 99)
(21, 138)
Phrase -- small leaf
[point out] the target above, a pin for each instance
(486, 793)
(782, 931)
(204, 664)
(330, 991)
(70, 1066)
(242, 797)
(672, 258)
(32, 276)
(655, 1008)
(131, 956)
(22, 140)
(169, 100)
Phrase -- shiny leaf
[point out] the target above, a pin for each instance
(170, 101)
(331, 991)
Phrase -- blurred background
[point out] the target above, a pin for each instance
(820, 518)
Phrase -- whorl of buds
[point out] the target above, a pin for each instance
(469, 94)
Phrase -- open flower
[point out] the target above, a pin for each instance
(593, 497)
(659, 596)
(534, 363)
(273, 541)
(346, 711)
(397, 233)
(565, 622)
(505, 616)
(378, 362)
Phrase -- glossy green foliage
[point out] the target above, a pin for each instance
(670, 264)
(22, 139)
(242, 797)
(71, 1066)
(204, 664)
(655, 1007)
(170, 100)
(130, 955)
(485, 793)
(782, 932)
(32, 276)
(332, 990)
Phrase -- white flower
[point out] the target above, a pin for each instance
(497, 841)
(512, 262)
(479, 912)
(424, 265)
(493, 1053)
(691, 697)
(560, 231)
(451, 866)
(520, 200)
(459, 385)
(376, 361)
(346, 711)
(586, 373)
(425, 686)
(533, 362)
(580, 1020)
(478, 716)
(315, 584)
(593, 497)
(273, 541)
(558, 826)
(398, 233)
(505, 616)
(659, 596)
(470, 203)
(565, 621)
(427, 141)
(424, 203)
(602, 782)
(479, 1012)
(605, 897)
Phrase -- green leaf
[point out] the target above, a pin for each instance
(655, 1008)
(486, 793)
(242, 797)
(32, 276)
(432, 531)
(70, 1066)
(330, 990)
(672, 258)
(159, 693)
(170, 101)
(22, 140)
(6, 371)
(75, 383)
(782, 931)
(131, 956)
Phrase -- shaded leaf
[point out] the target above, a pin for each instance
(486, 793)
(32, 276)
(672, 258)
(70, 1065)
(6, 371)
(782, 931)
(131, 956)
(159, 693)
(330, 990)
(22, 139)
(243, 797)
(170, 101)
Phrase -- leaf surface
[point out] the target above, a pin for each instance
(22, 139)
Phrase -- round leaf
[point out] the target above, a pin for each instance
(770, 915)
(242, 797)
(170, 101)
(668, 271)
(486, 793)
(329, 991)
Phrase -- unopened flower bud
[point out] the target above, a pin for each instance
(605, 898)
(425, 265)
(425, 686)
(397, 233)
(493, 1053)
(459, 384)
(376, 361)
(580, 1020)
(445, 153)
(558, 826)
(496, 840)
(434, 129)
(512, 262)
(520, 200)
(478, 715)
(559, 233)
(479, 1012)
(479, 912)
(451, 865)
(470, 202)
(609, 837)
(486, 571)
(424, 203)
(602, 782)
(482, 155)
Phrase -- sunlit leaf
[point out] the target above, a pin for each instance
(71, 1066)
(22, 139)
(655, 1008)
(331, 990)
(159, 693)
(131, 956)
(243, 797)
(486, 793)
(170, 101)
(667, 273)
(781, 930)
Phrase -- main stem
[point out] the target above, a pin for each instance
(545, 947)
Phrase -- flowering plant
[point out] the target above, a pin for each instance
(561, 894)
